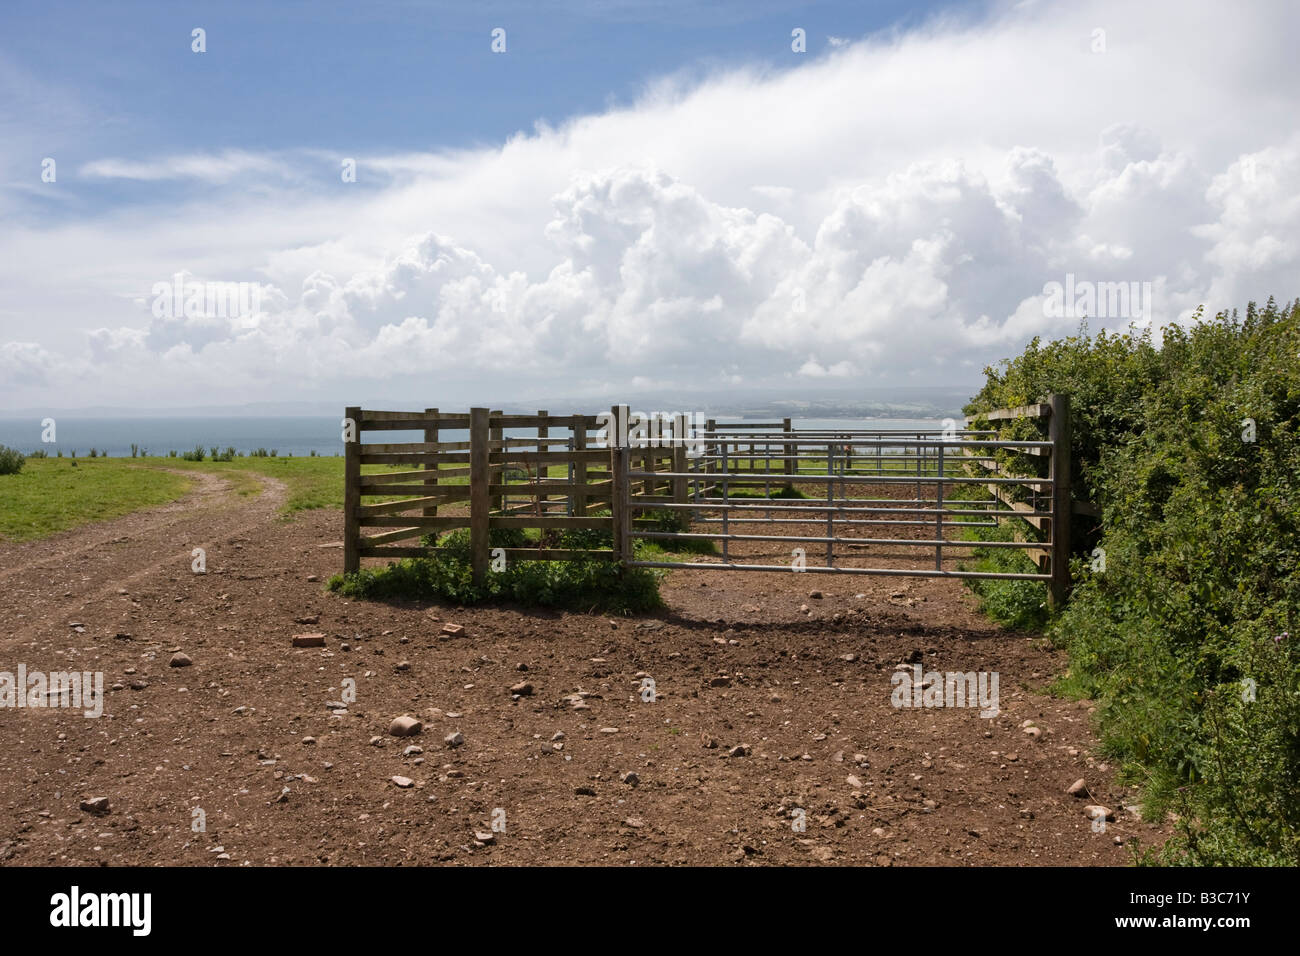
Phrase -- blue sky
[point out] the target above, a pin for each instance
(377, 76)
(634, 196)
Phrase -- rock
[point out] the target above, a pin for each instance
(97, 805)
(403, 782)
(1034, 732)
(335, 705)
(740, 750)
(1095, 811)
(181, 660)
(636, 823)
(804, 609)
(308, 741)
(309, 619)
(1077, 789)
(853, 782)
(558, 735)
(453, 629)
(412, 750)
(139, 684)
(722, 680)
(376, 741)
(454, 739)
(815, 595)
(631, 778)
(522, 689)
(850, 658)
(708, 741)
(860, 759)
(405, 726)
(486, 837)
(585, 791)
(309, 640)
(403, 666)
(312, 578)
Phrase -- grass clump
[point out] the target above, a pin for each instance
(586, 584)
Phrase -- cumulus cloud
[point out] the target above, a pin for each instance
(889, 213)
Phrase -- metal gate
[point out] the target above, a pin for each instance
(845, 501)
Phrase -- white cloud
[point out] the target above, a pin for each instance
(220, 168)
(930, 184)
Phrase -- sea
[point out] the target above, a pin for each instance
(288, 435)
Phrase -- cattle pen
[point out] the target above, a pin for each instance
(764, 496)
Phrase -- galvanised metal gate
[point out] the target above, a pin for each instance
(829, 489)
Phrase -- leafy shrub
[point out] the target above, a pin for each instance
(11, 460)
(1200, 597)
(584, 584)
(196, 455)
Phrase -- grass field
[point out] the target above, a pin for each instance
(49, 495)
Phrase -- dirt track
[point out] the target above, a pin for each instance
(244, 734)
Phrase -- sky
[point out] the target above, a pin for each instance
(480, 203)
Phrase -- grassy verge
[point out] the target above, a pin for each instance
(50, 495)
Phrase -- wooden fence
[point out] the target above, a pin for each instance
(538, 473)
(1048, 514)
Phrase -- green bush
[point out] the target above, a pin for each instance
(585, 584)
(1019, 605)
(1201, 589)
(11, 460)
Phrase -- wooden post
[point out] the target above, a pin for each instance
(480, 502)
(543, 431)
(498, 472)
(680, 436)
(352, 493)
(791, 463)
(1058, 432)
(620, 486)
(580, 467)
(431, 484)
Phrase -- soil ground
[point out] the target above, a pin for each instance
(238, 760)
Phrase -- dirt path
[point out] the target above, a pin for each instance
(236, 759)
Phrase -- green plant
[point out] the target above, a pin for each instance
(580, 584)
(1192, 450)
(11, 460)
